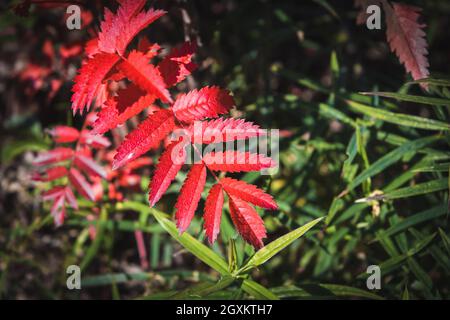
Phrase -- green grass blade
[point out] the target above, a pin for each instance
(258, 291)
(410, 98)
(399, 118)
(277, 245)
(191, 244)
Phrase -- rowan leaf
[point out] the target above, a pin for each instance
(208, 102)
(213, 212)
(167, 168)
(248, 192)
(117, 30)
(247, 221)
(128, 103)
(63, 134)
(89, 80)
(81, 184)
(223, 130)
(53, 156)
(235, 161)
(148, 135)
(406, 38)
(89, 165)
(138, 70)
(51, 174)
(189, 197)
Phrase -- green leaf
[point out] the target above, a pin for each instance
(324, 291)
(95, 246)
(191, 244)
(399, 118)
(416, 190)
(432, 81)
(391, 158)
(267, 252)
(418, 218)
(257, 291)
(410, 98)
(204, 289)
(445, 239)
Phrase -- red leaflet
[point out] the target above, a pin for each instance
(148, 135)
(128, 103)
(208, 102)
(177, 65)
(53, 193)
(119, 29)
(53, 156)
(89, 165)
(64, 134)
(81, 184)
(213, 212)
(189, 197)
(223, 130)
(407, 38)
(247, 221)
(234, 161)
(51, 174)
(89, 79)
(168, 166)
(58, 210)
(248, 192)
(95, 141)
(137, 68)
(70, 198)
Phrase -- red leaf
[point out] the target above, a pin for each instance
(51, 174)
(137, 68)
(89, 79)
(53, 193)
(248, 192)
(70, 198)
(128, 103)
(247, 221)
(407, 39)
(167, 168)
(89, 165)
(213, 212)
(177, 65)
(189, 197)
(119, 29)
(58, 211)
(223, 130)
(234, 161)
(53, 156)
(81, 184)
(95, 141)
(208, 102)
(148, 135)
(63, 134)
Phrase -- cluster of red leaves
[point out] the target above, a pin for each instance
(70, 167)
(108, 60)
(405, 35)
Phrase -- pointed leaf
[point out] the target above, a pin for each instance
(213, 212)
(89, 79)
(248, 192)
(145, 137)
(53, 156)
(143, 74)
(247, 221)
(208, 102)
(234, 161)
(167, 168)
(89, 165)
(189, 197)
(81, 184)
